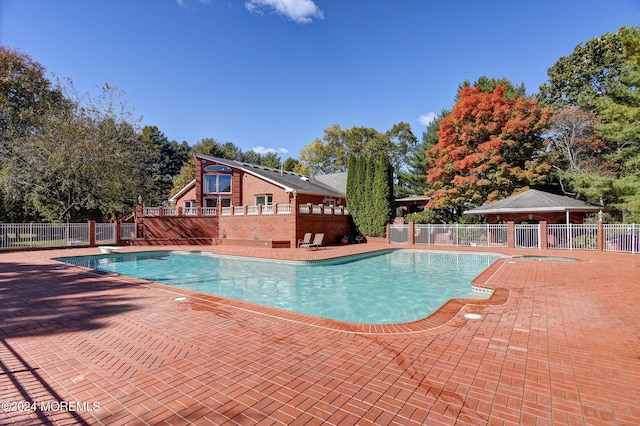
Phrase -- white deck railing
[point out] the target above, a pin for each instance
(245, 210)
(284, 209)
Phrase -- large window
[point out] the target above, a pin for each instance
(215, 184)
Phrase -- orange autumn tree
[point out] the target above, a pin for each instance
(489, 147)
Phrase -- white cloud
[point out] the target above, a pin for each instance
(428, 118)
(262, 150)
(299, 11)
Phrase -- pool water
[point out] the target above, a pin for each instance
(388, 287)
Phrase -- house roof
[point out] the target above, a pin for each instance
(289, 181)
(412, 200)
(337, 181)
(534, 201)
(183, 191)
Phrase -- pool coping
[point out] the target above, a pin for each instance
(440, 317)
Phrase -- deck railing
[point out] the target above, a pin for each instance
(245, 210)
(322, 209)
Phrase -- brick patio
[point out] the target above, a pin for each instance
(558, 344)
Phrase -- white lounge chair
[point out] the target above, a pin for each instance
(305, 240)
(316, 243)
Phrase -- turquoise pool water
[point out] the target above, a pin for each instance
(378, 288)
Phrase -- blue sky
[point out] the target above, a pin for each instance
(273, 74)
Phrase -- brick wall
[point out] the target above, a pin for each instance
(177, 229)
(332, 226)
(281, 228)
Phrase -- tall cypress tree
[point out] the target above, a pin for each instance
(353, 193)
(382, 196)
(368, 220)
(370, 193)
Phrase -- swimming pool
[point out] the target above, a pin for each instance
(387, 287)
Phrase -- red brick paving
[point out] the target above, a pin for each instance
(558, 344)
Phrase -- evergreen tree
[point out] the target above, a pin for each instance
(413, 180)
(369, 193)
(620, 115)
(381, 205)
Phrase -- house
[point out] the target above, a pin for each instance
(233, 202)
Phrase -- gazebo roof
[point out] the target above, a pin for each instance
(534, 201)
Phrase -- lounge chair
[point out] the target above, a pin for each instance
(306, 240)
(109, 249)
(316, 243)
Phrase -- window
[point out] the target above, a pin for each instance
(217, 168)
(214, 202)
(214, 184)
(265, 200)
(190, 204)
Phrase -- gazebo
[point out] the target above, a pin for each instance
(536, 206)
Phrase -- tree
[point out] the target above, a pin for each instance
(586, 74)
(331, 153)
(291, 165)
(369, 193)
(572, 137)
(413, 179)
(26, 97)
(270, 159)
(488, 147)
(619, 112)
(355, 190)
(383, 202)
(82, 162)
(209, 147)
(577, 155)
(163, 161)
(489, 84)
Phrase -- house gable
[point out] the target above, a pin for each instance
(250, 181)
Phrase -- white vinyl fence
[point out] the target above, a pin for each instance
(527, 236)
(616, 238)
(128, 231)
(26, 235)
(573, 237)
(481, 235)
(623, 238)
